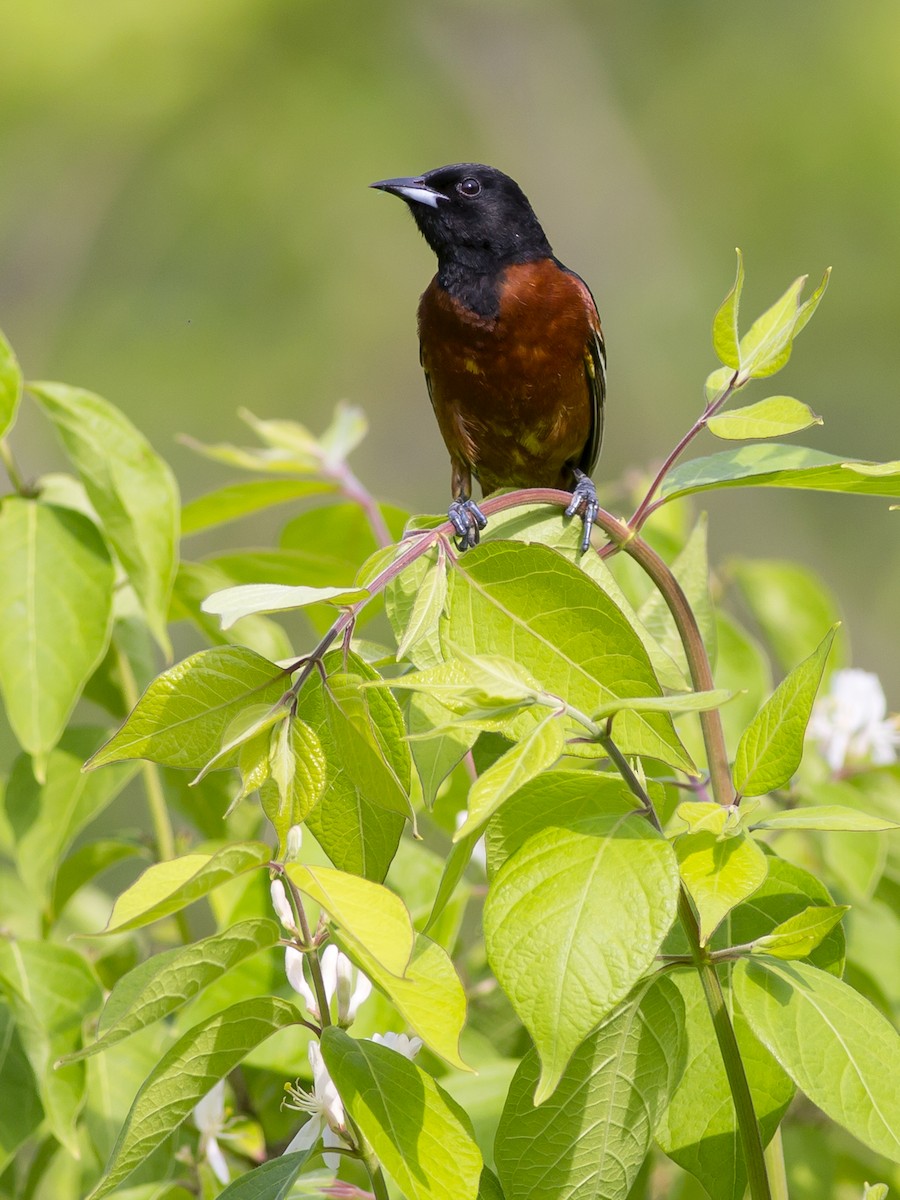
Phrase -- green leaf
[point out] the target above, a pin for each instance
(371, 919)
(85, 864)
(130, 486)
(527, 603)
(682, 703)
(875, 1191)
(773, 417)
(772, 746)
(20, 1104)
(768, 464)
(429, 997)
(427, 606)
(46, 818)
(190, 1069)
(691, 570)
(185, 713)
(167, 887)
(56, 590)
(357, 832)
(489, 681)
(537, 750)
(836, 1047)
(243, 499)
(566, 799)
(787, 891)
(454, 870)
(162, 984)
(10, 387)
(305, 783)
(716, 383)
(489, 1186)
(825, 817)
(798, 936)
(791, 605)
(421, 1137)
(362, 744)
(193, 583)
(698, 1129)
(435, 756)
(243, 601)
(51, 990)
(272, 1180)
(592, 1137)
(572, 920)
(742, 668)
(766, 346)
(725, 323)
(719, 873)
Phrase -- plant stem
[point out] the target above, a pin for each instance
(351, 487)
(163, 833)
(9, 465)
(309, 945)
(775, 1162)
(644, 509)
(379, 1187)
(745, 1114)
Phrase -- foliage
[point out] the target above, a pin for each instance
(581, 756)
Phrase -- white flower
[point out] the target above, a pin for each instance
(282, 907)
(326, 1112)
(850, 725)
(209, 1117)
(409, 1047)
(339, 977)
(293, 843)
(293, 967)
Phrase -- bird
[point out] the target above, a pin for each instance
(510, 343)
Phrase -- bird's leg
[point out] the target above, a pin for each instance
(465, 516)
(584, 504)
(468, 520)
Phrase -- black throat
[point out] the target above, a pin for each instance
(476, 284)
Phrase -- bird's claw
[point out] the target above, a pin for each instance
(584, 503)
(468, 520)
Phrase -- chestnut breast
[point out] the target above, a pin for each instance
(511, 392)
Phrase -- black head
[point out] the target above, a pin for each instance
(472, 216)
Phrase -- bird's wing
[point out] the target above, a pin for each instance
(595, 373)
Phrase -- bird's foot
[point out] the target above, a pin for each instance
(584, 504)
(468, 520)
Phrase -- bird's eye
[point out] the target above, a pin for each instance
(469, 187)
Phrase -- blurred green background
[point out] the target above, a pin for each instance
(185, 225)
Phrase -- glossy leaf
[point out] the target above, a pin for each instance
(612, 892)
(243, 601)
(185, 713)
(357, 833)
(56, 591)
(773, 417)
(164, 983)
(767, 464)
(719, 873)
(132, 489)
(193, 583)
(167, 887)
(839, 1050)
(371, 919)
(592, 1136)
(772, 746)
(531, 605)
(725, 323)
(290, 802)
(428, 600)
(185, 1074)
(538, 749)
(824, 817)
(799, 935)
(698, 1129)
(272, 1180)
(691, 570)
(422, 1138)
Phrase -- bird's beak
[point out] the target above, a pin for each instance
(415, 190)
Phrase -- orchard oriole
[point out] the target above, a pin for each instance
(510, 343)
